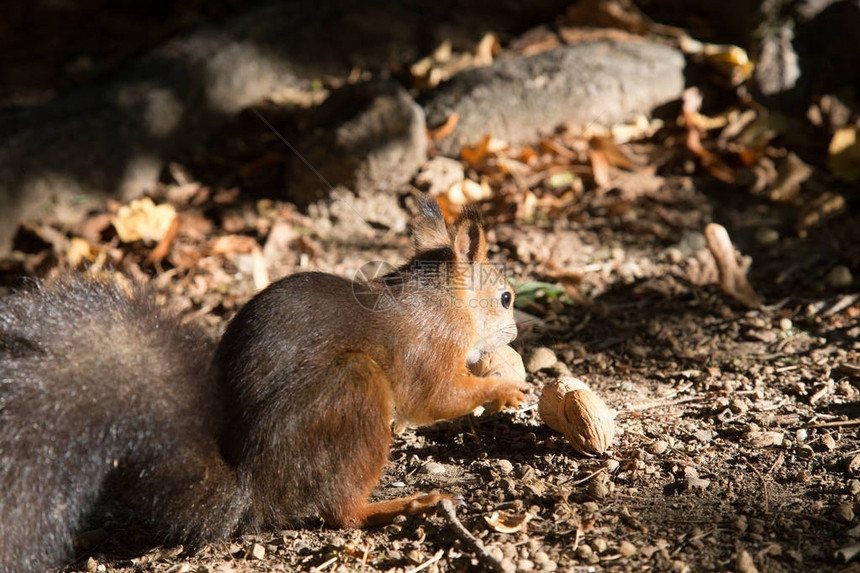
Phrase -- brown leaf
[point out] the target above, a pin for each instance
(614, 154)
(446, 128)
(231, 244)
(506, 522)
(163, 247)
(621, 14)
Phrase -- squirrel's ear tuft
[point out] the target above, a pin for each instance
(470, 244)
(429, 231)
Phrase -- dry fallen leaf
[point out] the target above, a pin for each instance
(467, 191)
(843, 154)
(506, 522)
(446, 128)
(80, 251)
(791, 174)
(817, 210)
(430, 71)
(621, 14)
(143, 220)
(692, 102)
(730, 61)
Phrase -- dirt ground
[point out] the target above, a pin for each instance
(737, 446)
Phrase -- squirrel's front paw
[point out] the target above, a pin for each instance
(508, 394)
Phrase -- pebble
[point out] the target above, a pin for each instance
(258, 552)
(597, 489)
(561, 369)
(738, 406)
(854, 465)
(767, 236)
(785, 324)
(600, 544)
(854, 486)
(840, 277)
(828, 442)
(433, 468)
(525, 565)
(766, 438)
(657, 447)
(844, 512)
(805, 452)
(704, 435)
(584, 551)
(540, 358)
(627, 549)
(504, 466)
(744, 563)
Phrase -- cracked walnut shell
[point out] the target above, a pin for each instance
(568, 405)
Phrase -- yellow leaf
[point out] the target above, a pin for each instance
(844, 154)
(143, 220)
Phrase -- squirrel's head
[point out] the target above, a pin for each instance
(477, 285)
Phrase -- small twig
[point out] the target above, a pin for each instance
(819, 394)
(583, 480)
(777, 463)
(835, 424)
(848, 552)
(733, 279)
(763, 485)
(446, 507)
(324, 565)
(429, 562)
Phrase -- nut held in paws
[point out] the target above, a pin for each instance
(568, 405)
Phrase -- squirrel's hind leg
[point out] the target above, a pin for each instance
(384, 512)
(359, 449)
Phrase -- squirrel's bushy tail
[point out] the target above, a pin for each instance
(100, 389)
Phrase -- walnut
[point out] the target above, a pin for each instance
(568, 405)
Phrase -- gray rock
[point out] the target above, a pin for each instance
(114, 138)
(517, 99)
(368, 137)
(540, 358)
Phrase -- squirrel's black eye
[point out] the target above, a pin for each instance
(506, 299)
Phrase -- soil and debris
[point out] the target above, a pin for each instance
(698, 271)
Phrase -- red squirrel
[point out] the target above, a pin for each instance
(104, 393)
